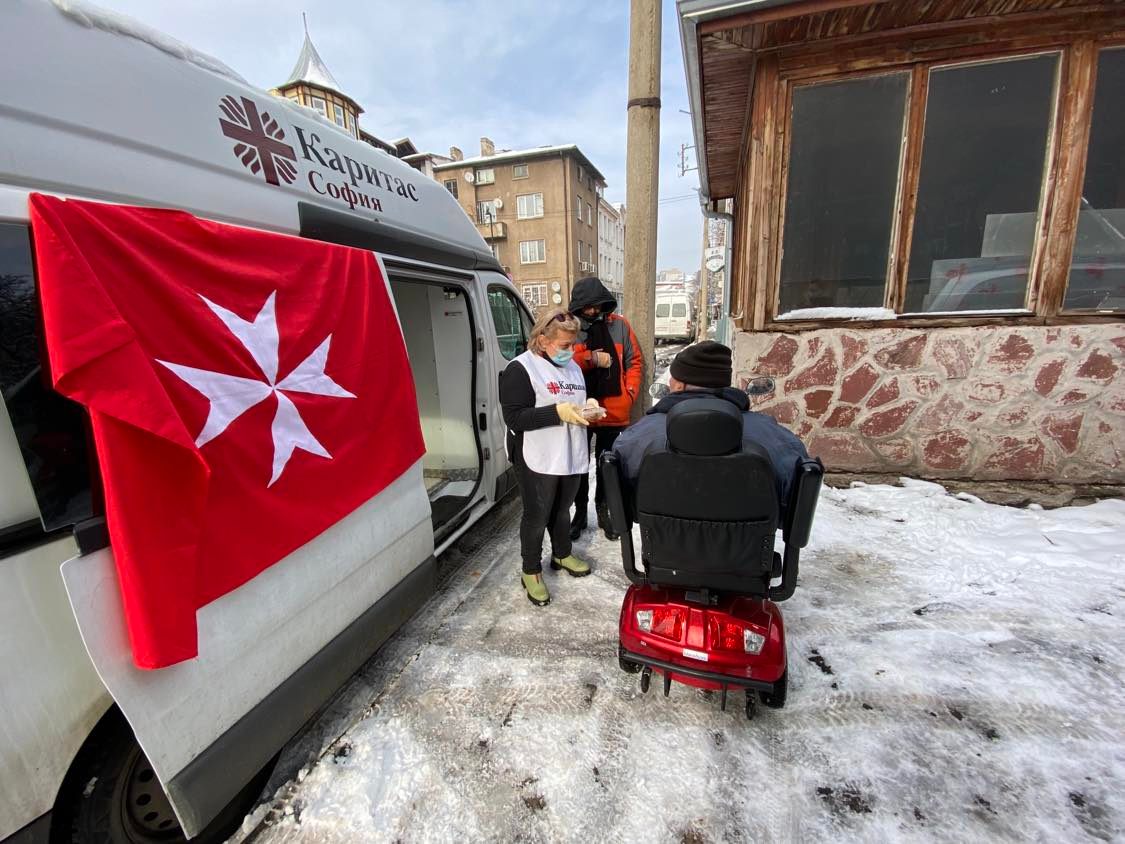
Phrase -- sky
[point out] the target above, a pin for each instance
(524, 73)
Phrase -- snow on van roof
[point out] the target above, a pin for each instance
(95, 17)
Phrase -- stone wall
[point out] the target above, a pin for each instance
(984, 403)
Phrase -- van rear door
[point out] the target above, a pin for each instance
(679, 321)
(271, 652)
(663, 314)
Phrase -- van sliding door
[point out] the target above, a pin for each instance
(439, 327)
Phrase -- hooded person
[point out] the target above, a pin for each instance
(705, 369)
(610, 358)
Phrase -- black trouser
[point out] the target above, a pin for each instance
(604, 438)
(546, 504)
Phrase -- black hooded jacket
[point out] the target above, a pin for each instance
(591, 291)
(616, 386)
(650, 434)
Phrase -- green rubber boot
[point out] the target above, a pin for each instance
(571, 565)
(536, 589)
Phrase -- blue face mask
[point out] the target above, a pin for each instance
(562, 358)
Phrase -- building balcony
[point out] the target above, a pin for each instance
(493, 231)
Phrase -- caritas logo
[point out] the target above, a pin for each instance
(260, 144)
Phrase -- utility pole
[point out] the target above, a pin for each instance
(701, 322)
(642, 175)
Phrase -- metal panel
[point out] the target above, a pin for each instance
(251, 639)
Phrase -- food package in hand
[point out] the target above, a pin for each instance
(593, 411)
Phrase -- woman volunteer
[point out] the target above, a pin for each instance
(543, 393)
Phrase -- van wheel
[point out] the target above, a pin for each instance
(111, 794)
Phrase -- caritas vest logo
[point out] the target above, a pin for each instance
(261, 143)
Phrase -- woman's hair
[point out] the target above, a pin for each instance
(550, 323)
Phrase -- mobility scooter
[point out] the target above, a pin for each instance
(703, 611)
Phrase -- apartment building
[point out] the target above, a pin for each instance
(537, 209)
(611, 247)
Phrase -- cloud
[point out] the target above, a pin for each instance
(446, 72)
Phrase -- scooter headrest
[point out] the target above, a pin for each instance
(705, 427)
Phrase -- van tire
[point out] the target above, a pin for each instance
(110, 794)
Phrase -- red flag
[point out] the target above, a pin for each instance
(246, 391)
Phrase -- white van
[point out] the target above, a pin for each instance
(674, 317)
(91, 748)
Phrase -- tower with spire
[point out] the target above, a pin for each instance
(312, 85)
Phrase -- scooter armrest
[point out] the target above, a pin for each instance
(615, 500)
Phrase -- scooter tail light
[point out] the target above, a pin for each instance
(668, 623)
(752, 642)
(665, 622)
(732, 636)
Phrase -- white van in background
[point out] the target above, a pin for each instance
(91, 748)
(674, 317)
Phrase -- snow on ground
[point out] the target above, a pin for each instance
(956, 674)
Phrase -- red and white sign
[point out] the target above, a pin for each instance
(246, 391)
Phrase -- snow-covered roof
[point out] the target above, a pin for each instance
(516, 155)
(311, 69)
(416, 156)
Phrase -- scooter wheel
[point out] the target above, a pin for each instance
(776, 698)
(627, 666)
(646, 678)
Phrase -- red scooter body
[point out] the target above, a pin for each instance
(702, 611)
(703, 644)
(698, 637)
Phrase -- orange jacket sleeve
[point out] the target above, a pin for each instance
(634, 374)
(583, 356)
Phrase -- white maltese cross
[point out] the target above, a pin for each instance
(231, 395)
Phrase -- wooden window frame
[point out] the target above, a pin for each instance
(763, 178)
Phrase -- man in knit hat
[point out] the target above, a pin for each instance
(705, 369)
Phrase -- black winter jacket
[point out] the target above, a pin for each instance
(650, 434)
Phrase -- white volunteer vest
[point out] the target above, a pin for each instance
(557, 449)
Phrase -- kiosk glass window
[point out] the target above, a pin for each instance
(984, 154)
(1097, 271)
(844, 156)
